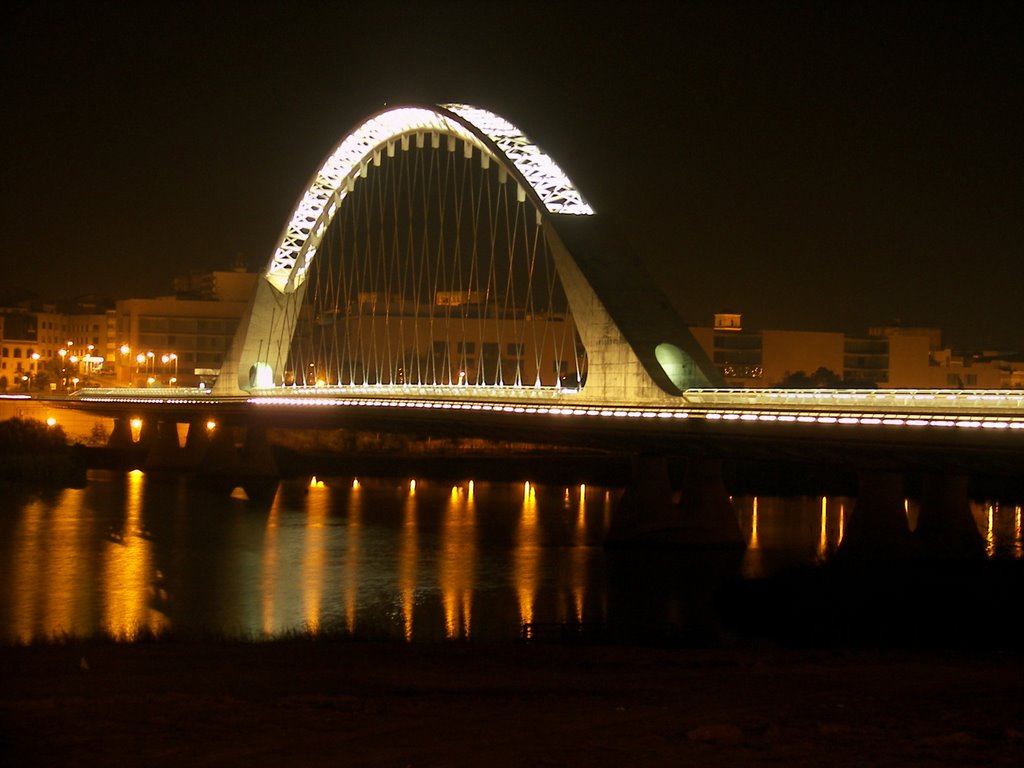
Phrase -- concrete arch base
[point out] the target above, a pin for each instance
(703, 517)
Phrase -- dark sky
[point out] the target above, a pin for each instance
(820, 166)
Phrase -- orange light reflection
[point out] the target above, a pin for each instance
(457, 564)
(314, 556)
(128, 574)
(269, 567)
(526, 563)
(408, 558)
(350, 577)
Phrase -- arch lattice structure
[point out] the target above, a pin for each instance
(438, 247)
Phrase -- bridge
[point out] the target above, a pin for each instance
(441, 275)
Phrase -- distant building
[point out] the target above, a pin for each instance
(884, 357)
(171, 340)
(181, 340)
(46, 349)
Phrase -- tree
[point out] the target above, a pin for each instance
(823, 378)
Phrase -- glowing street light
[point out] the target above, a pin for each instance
(170, 357)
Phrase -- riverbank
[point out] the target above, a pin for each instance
(324, 702)
(35, 453)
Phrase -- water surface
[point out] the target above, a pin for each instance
(132, 555)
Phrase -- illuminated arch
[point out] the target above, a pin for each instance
(619, 324)
(494, 137)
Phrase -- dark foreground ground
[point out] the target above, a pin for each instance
(916, 666)
(321, 702)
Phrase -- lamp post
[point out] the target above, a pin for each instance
(63, 371)
(167, 360)
(124, 375)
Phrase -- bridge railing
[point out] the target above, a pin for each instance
(881, 399)
(161, 394)
(438, 391)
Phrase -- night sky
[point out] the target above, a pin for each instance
(819, 166)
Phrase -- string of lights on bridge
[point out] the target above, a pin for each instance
(978, 409)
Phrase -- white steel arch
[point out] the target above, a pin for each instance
(475, 127)
(638, 351)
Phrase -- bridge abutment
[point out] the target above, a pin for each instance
(648, 515)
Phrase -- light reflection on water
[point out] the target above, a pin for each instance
(131, 554)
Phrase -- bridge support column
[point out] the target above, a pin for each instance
(197, 440)
(121, 435)
(706, 506)
(877, 528)
(166, 452)
(945, 526)
(703, 517)
(257, 455)
(253, 468)
(148, 432)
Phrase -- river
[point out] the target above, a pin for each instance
(131, 556)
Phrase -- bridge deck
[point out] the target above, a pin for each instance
(961, 431)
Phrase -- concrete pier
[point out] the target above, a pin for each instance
(252, 467)
(648, 515)
(166, 452)
(945, 527)
(121, 434)
(878, 528)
